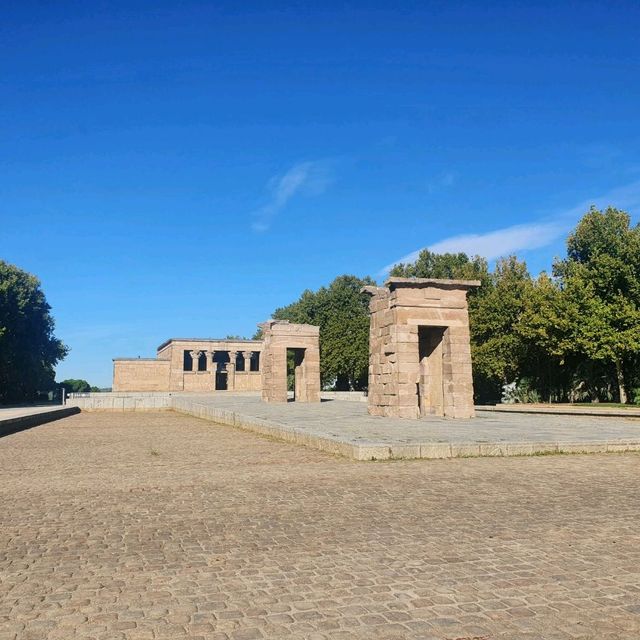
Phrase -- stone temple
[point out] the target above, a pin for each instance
(201, 365)
(419, 348)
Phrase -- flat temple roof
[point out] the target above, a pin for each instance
(243, 340)
(431, 282)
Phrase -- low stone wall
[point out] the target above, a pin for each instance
(121, 400)
(132, 401)
(351, 396)
(117, 402)
(119, 394)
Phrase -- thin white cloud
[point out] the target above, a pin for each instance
(308, 178)
(442, 181)
(524, 237)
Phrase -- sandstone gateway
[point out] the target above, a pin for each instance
(419, 348)
(419, 356)
(302, 342)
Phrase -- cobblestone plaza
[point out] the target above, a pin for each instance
(131, 526)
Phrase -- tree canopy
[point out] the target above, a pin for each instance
(443, 265)
(73, 385)
(29, 350)
(599, 294)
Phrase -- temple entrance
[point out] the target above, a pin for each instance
(296, 379)
(290, 361)
(430, 389)
(220, 360)
(221, 380)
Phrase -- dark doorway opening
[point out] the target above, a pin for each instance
(295, 373)
(431, 379)
(220, 360)
(221, 380)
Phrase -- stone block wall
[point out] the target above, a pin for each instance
(141, 374)
(248, 381)
(420, 356)
(280, 336)
(166, 371)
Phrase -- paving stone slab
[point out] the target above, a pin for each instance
(134, 525)
(14, 419)
(345, 428)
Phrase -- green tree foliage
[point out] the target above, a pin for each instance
(444, 265)
(498, 350)
(342, 313)
(29, 350)
(73, 385)
(596, 310)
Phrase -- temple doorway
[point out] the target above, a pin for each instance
(296, 374)
(431, 377)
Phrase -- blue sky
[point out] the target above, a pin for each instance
(177, 169)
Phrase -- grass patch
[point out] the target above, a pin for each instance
(604, 405)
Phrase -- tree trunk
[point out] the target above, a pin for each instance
(620, 379)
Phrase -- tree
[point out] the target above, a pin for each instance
(73, 385)
(342, 313)
(498, 350)
(600, 281)
(29, 350)
(545, 325)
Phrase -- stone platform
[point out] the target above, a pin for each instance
(158, 526)
(345, 428)
(14, 419)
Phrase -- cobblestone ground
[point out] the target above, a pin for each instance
(131, 526)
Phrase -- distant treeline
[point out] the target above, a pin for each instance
(75, 385)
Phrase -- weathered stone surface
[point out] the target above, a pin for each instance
(166, 372)
(140, 526)
(278, 337)
(420, 357)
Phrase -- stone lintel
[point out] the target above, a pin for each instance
(285, 328)
(141, 359)
(213, 341)
(421, 283)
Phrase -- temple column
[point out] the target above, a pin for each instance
(247, 360)
(231, 371)
(211, 364)
(195, 358)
